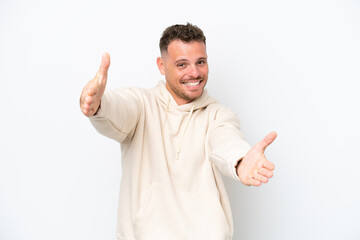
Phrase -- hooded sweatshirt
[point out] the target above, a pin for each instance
(172, 156)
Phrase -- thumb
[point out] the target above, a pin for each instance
(103, 70)
(268, 139)
(105, 63)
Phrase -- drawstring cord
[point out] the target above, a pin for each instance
(183, 133)
(167, 108)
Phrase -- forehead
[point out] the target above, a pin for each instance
(194, 49)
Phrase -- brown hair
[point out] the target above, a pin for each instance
(185, 33)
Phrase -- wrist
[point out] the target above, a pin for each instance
(237, 165)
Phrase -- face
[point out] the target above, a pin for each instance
(186, 70)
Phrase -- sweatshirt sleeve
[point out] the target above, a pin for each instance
(118, 114)
(226, 143)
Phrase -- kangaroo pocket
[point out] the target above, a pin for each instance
(175, 214)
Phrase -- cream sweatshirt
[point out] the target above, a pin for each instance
(172, 157)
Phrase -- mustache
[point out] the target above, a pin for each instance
(194, 79)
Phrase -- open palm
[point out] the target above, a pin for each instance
(254, 168)
(93, 91)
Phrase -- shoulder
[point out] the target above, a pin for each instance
(135, 92)
(219, 111)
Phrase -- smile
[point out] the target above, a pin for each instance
(191, 84)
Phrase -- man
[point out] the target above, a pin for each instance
(175, 140)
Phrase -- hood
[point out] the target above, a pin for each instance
(168, 102)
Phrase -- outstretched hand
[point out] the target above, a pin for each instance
(93, 91)
(254, 168)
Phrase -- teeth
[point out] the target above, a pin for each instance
(192, 84)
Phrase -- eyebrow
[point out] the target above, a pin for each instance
(186, 60)
(203, 58)
(182, 60)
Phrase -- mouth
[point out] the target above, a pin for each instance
(192, 84)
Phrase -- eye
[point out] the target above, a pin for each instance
(181, 65)
(201, 62)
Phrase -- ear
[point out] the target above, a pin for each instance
(161, 65)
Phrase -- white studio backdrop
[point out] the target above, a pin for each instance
(289, 66)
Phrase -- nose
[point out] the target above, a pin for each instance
(194, 72)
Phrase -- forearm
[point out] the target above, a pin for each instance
(117, 115)
(227, 150)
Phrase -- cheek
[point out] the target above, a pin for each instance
(173, 77)
(177, 76)
(206, 71)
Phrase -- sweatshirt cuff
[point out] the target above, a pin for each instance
(226, 161)
(234, 162)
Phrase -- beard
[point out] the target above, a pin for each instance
(186, 95)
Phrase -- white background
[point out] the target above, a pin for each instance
(289, 66)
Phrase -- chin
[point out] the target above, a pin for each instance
(193, 96)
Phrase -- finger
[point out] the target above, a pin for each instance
(91, 91)
(88, 101)
(101, 81)
(266, 172)
(259, 177)
(105, 63)
(269, 165)
(254, 182)
(268, 139)
(83, 100)
(86, 109)
(86, 112)
(94, 105)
